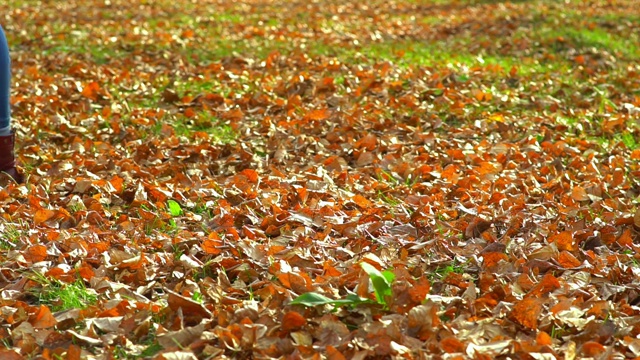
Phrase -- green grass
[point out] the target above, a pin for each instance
(443, 271)
(9, 237)
(63, 296)
(219, 132)
(583, 39)
(122, 353)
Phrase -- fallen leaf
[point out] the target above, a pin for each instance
(292, 321)
(563, 240)
(579, 194)
(181, 338)
(526, 312)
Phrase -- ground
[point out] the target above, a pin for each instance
(322, 179)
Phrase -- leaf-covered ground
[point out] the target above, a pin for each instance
(456, 179)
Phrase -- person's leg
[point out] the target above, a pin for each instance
(7, 137)
(5, 86)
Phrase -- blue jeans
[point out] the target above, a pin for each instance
(5, 81)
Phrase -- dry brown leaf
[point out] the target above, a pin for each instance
(625, 239)
(43, 215)
(592, 349)
(177, 355)
(292, 321)
(7, 354)
(567, 260)
(36, 253)
(578, 193)
(43, 318)
(527, 311)
(451, 345)
(181, 338)
(564, 240)
(334, 354)
(636, 219)
(188, 306)
(475, 182)
(542, 338)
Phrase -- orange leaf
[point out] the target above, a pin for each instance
(53, 235)
(599, 308)
(189, 112)
(55, 273)
(43, 215)
(579, 194)
(450, 173)
(420, 290)
(487, 168)
(567, 260)
(187, 34)
(134, 263)
(368, 142)
(492, 258)
(91, 90)
(563, 305)
(298, 283)
(74, 352)
(251, 175)
(563, 240)
(118, 183)
(334, 354)
(625, 239)
(546, 285)
(526, 312)
(35, 253)
(292, 321)
(212, 247)
(86, 272)
(542, 338)
(451, 345)
(592, 349)
(361, 201)
(319, 114)
(43, 318)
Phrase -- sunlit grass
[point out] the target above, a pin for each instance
(63, 296)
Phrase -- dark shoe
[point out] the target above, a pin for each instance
(8, 158)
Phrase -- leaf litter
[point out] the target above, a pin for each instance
(340, 179)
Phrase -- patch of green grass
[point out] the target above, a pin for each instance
(607, 142)
(204, 209)
(443, 271)
(219, 132)
(204, 272)
(9, 237)
(62, 296)
(629, 140)
(230, 17)
(599, 39)
(572, 34)
(411, 53)
(99, 54)
(197, 297)
(121, 352)
(390, 200)
(151, 350)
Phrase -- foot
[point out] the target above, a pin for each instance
(14, 175)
